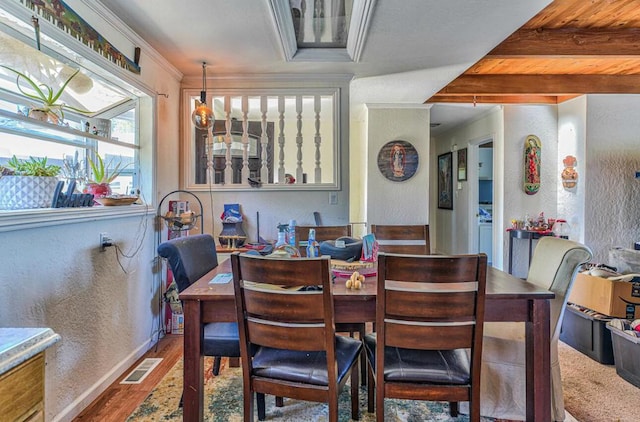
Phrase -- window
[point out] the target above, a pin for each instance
(103, 116)
(277, 138)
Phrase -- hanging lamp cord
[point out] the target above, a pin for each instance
(203, 93)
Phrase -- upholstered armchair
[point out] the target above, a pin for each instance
(503, 391)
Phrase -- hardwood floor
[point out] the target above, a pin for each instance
(120, 400)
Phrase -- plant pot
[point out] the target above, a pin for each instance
(44, 116)
(99, 190)
(24, 192)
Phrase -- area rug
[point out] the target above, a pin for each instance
(592, 393)
(223, 403)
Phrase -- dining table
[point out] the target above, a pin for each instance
(507, 299)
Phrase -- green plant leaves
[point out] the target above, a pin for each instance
(45, 94)
(33, 167)
(101, 173)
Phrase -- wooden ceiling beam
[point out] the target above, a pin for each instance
(570, 42)
(542, 85)
(494, 99)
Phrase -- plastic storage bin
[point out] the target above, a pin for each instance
(626, 349)
(585, 330)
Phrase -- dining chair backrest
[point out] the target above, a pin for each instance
(285, 303)
(431, 302)
(322, 233)
(403, 239)
(189, 257)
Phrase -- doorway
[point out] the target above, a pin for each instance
(481, 198)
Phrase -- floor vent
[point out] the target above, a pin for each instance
(141, 371)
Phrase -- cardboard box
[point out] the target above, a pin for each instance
(606, 296)
(177, 323)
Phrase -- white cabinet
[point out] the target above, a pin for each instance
(484, 239)
(485, 163)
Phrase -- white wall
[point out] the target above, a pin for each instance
(57, 277)
(612, 198)
(405, 202)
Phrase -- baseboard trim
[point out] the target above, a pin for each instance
(79, 404)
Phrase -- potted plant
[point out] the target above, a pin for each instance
(48, 107)
(28, 183)
(102, 175)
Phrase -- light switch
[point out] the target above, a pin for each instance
(333, 198)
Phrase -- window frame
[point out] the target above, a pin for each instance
(188, 137)
(77, 54)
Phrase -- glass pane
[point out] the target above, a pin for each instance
(85, 92)
(321, 23)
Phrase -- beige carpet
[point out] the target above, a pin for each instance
(594, 392)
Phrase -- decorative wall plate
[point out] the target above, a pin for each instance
(398, 160)
(532, 147)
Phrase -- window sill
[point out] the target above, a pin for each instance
(11, 220)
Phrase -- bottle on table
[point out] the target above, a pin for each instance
(282, 235)
(313, 249)
(292, 233)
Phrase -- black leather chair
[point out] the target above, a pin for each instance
(190, 258)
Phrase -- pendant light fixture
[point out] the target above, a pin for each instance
(202, 117)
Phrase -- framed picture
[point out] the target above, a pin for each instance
(462, 164)
(445, 181)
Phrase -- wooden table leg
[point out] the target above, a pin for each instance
(193, 363)
(538, 360)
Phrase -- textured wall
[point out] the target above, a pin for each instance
(57, 277)
(391, 202)
(612, 207)
(519, 122)
(571, 141)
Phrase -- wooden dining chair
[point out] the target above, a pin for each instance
(322, 233)
(429, 321)
(404, 239)
(288, 342)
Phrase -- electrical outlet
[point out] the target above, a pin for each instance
(105, 241)
(333, 198)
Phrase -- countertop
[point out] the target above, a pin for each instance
(18, 345)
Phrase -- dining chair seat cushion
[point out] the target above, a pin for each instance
(307, 367)
(422, 366)
(221, 339)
